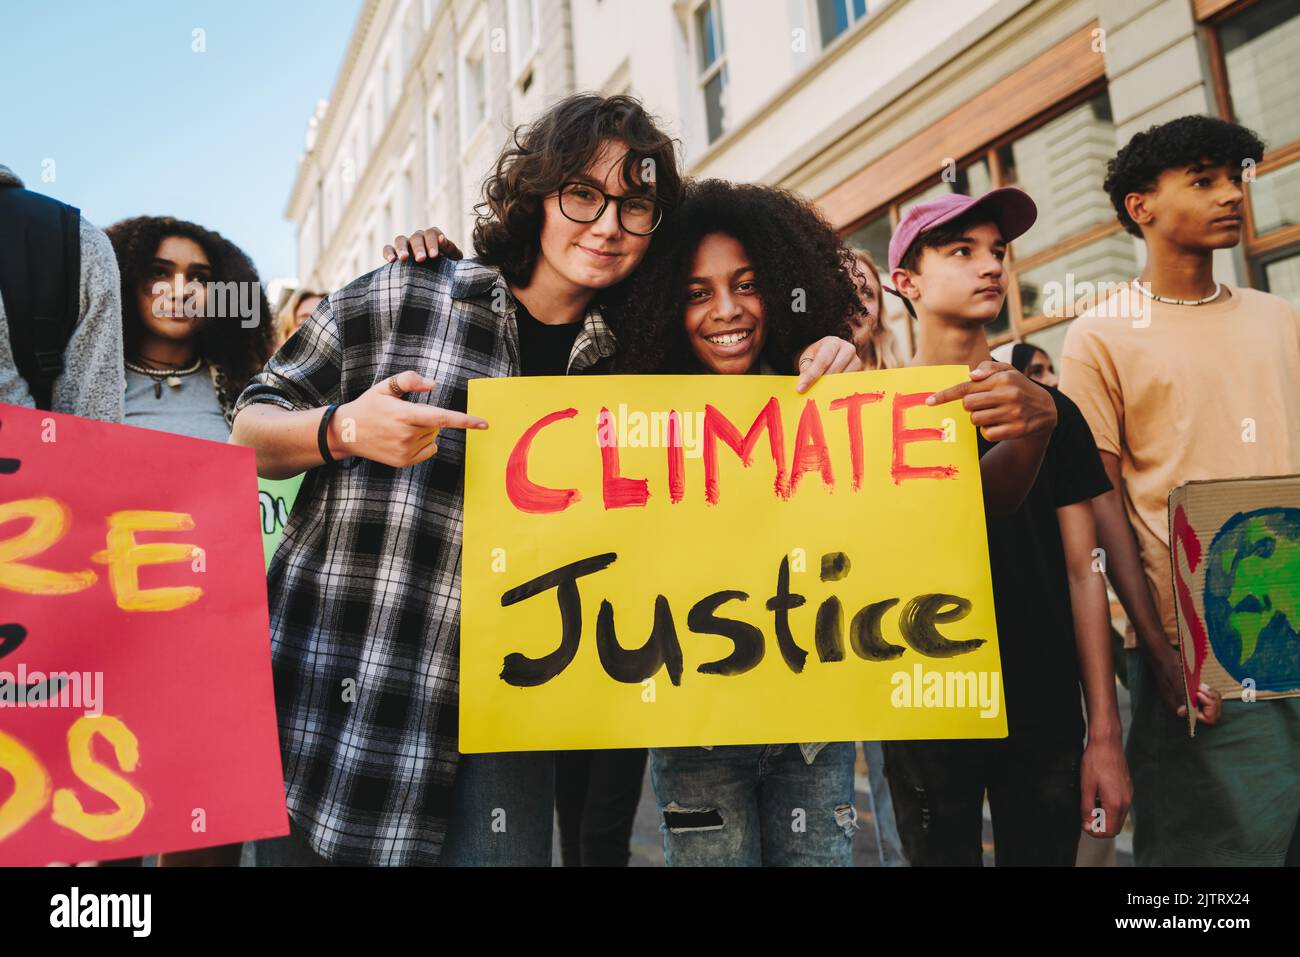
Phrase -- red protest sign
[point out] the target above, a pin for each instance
(136, 708)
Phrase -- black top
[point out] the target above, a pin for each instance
(543, 349)
(1031, 588)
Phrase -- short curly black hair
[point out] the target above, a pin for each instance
(1181, 142)
(803, 272)
(239, 350)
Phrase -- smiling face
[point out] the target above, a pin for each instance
(1194, 207)
(179, 263)
(962, 280)
(591, 256)
(724, 312)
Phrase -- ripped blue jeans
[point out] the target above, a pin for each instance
(755, 805)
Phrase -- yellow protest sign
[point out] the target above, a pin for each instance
(702, 560)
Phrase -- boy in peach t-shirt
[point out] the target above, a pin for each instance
(1181, 377)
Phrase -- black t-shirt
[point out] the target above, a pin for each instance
(1031, 588)
(544, 349)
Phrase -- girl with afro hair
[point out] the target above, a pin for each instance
(797, 288)
(746, 277)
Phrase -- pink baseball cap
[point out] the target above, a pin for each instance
(1010, 208)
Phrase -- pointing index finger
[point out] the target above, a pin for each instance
(432, 417)
(951, 394)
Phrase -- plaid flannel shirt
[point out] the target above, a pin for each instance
(364, 588)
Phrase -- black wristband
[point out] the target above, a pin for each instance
(321, 440)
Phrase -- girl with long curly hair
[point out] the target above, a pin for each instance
(193, 335)
(744, 277)
(195, 325)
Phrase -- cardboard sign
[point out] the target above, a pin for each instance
(1235, 549)
(275, 498)
(705, 560)
(136, 707)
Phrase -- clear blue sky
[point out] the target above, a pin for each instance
(139, 124)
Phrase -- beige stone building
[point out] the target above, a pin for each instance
(863, 105)
(424, 100)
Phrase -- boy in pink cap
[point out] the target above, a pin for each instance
(947, 260)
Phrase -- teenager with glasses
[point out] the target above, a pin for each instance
(597, 792)
(368, 398)
(366, 584)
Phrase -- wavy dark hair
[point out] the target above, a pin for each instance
(238, 351)
(797, 257)
(553, 148)
(1182, 142)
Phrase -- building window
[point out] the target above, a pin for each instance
(374, 121)
(330, 214)
(386, 94)
(1253, 50)
(521, 16)
(1281, 275)
(836, 16)
(412, 35)
(473, 93)
(408, 214)
(1076, 242)
(712, 66)
(435, 149)
(350, 164)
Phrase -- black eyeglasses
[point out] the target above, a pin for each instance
(584, 203)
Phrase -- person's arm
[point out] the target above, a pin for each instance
(1017, 414)
(1008, 472)
(379, 425)
(285, 441)
(279, 414)
(1124, 569)
(91, 383)
(1091, 378)
(1104, 777)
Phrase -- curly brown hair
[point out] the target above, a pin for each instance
(556, 146)
(803, 272)
(239, 351)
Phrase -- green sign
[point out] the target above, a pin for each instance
(276, 499)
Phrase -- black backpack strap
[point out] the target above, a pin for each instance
(40, 281)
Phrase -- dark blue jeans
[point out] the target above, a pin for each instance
(501, 817)
(755, 805)
(503, 811)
